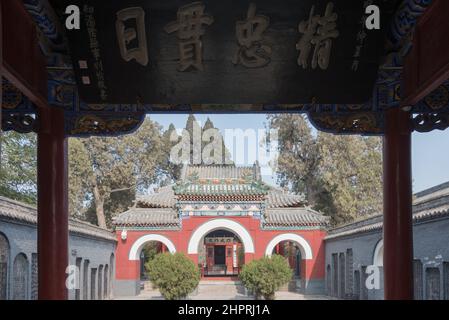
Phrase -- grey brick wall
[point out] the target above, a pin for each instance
(431, 250)
(97, 251)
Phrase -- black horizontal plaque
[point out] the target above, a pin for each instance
(226, 51)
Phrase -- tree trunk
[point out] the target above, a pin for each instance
(311, 191)
(99, 207)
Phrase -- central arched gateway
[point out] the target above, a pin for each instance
(221, 254)
(220, 224)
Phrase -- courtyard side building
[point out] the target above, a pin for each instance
(352, 248)
(91, 251)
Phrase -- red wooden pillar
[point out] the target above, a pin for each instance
(398, 236)
(52, 228)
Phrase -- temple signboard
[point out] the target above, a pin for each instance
(219, 240)
(227, 52)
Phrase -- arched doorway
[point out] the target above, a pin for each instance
(291, 251)
(147, 253)
(4, 263)
(242, 239)
(303, 245)
(78, 263)
(328, 280)
(85, 280)
(136, 249)
(297, 250)
(356, 285)
(378, 256)
(100, 282)
(221, 253)
(20, 277)
(111, 274)
(106, 282)
(220, 224)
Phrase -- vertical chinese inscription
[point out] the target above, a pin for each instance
(190, 29)
(252, 53)
(360, 39)
(318, 32)
(126, 35)
(94, 46)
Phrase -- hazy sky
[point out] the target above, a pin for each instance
(430, 153)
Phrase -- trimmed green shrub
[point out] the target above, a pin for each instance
(265, 276)
(175, 275)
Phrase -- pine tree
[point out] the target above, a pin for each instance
(113, 169)
(18, 166)
(339, 175)
(209, 131)
(170, 138)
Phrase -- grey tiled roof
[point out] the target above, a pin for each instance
(293, 217)
(220, 172)
(376, 223)
(277, 199)
(222, 189)
(17, 211)
(148, 217)
(163, 198)
(279, 217)
(428, 205)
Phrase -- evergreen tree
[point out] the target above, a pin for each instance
(111, 170)
(298, 155)
(195, 135)
(169, 139)
(339, 175)
(210, 134)
(351, 171)
(207, 137)
(18, 166)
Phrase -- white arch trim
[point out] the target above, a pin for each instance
(378, 258)
(216, 224)
(134, 253)
(306, 250)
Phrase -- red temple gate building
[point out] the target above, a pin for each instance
(222, 217)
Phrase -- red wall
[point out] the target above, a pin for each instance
(314, 268)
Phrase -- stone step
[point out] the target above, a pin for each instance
(226, 288)
(220, 282)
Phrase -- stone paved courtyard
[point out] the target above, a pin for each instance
(220, 290)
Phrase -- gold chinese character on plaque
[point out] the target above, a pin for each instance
(318, 32)
(252, 53)
(127, 35)
(190, 29)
